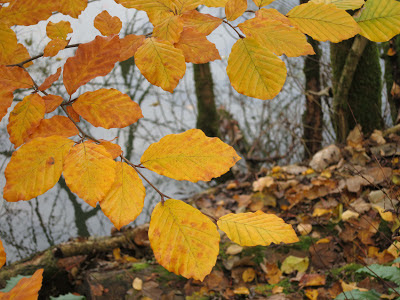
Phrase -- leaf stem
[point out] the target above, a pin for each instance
(233, 27)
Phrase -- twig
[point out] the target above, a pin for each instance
(239, 34)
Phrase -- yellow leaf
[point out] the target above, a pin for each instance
(169, 29)
(252, 229)
(323, 22)
(318, 212)
(72, 8)
(89, 172)
(196, 48)
(129, 45)
(27, 288)
(8, 41)
(254, 70)
(35, 167)
(106, 24)
(385, 215)
(54, 46)
(189, 156)
(51, 102)
(12, 78)
(124, 201)
(272, 14)
(107, 108)
(342, 4)
(214, 3)
(24, 118)
(58, 30)
(184, 241)
(114, 149)
(50, 80)
(203, 23)
(22, 12)
(56, 125)
(137, 284)
(242, 290)
(293, 263)
(2, 255)
(234, 9)
(380, 20)
(19, 55)
(248, 275)
(261, 3)
(161, 63)
(6, 99)
(156, 10)
(96, 58)
(182, 6)
(277, 37)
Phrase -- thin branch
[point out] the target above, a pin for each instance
(238, 33)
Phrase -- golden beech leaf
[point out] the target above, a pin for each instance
(380, 20)
(107, 108)
(272, 14)
(264, 72)
(35, 167)
(96, 58)
(214, 3)
(54, 46)
(261, 3)
(342, 4)
(6, 98)
(277, 37)
(73, 114)
(323, 22)
(114, 149)
(20, 54)
(51, 102)
(190, 155)
(259, 228)
(203, 23)
(124, 201)
(184, 241)
(12, 78)
(50, 80)
(169, 29)
(182, 6)
(129, 45)
(160, 63)
(89, 172)
(106, 24)
(24, 118)
(234, 9)
(56, 125)
(8, 42)
(72, 8)
(22, 12)
(196, 48)
(2, 255)
(26, 289)
(58, 30)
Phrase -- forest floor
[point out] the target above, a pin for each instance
(343, 206)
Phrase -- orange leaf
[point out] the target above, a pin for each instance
(196, 48)
(107, 108)
(26, 288)
(2, 255)
(214, 3)
(89, 172)
(234, 9)
(259, 228)
(35, 167)
(129, 44)
(58, 30)
(50, 80)
(93, 59)
(182, 6)
(184, 241)
(73, 114)
(19, 55)
(22, 12)
(6, 99)
(24, 118)
(72, 8)
(54, 46)
(12, 78)
(276, 36)
(272, 14)
(125, 199)
(51, 102)
(169, 29)
(56, 125)
(261, 3)
(189, 156)
(106, 24)
(8, 41)
(161, 63)
(114, 149)
(203, 23)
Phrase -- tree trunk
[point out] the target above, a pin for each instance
(356, 86)
(207, 118)
(392, 77)
(312, 118)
